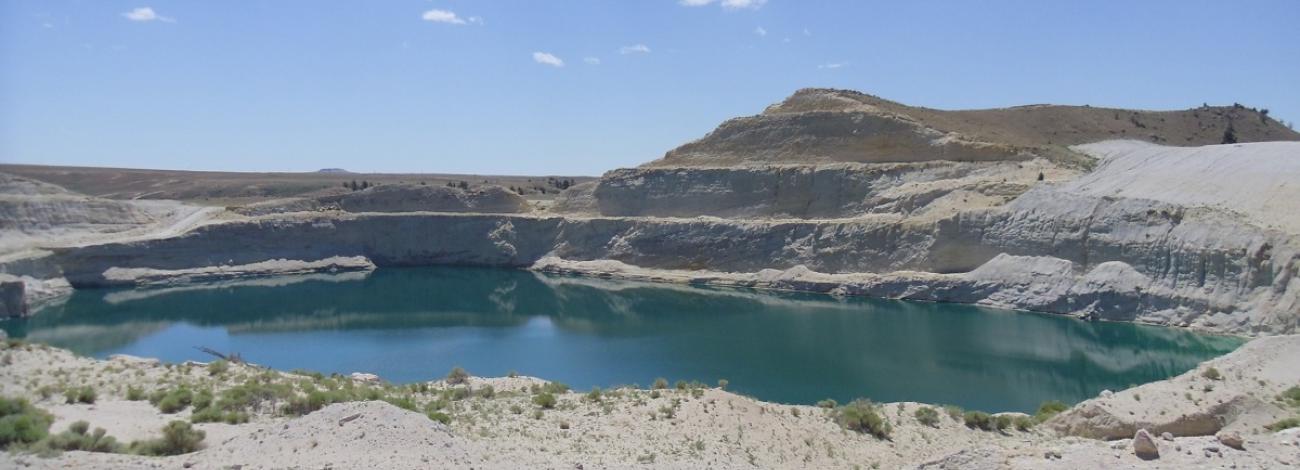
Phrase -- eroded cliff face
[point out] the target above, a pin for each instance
(798, 198)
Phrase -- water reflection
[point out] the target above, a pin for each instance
(415, 324)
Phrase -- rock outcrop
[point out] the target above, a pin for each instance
(400, 198)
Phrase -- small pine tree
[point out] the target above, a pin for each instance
(1229, 135)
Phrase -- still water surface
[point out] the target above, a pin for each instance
(414, 324)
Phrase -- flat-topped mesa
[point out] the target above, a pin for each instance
(816, 126)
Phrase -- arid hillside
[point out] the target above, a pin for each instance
(823, 126)
(223, 188)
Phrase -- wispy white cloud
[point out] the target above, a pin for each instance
(742, 4)
(143, 14)
(806, 32)
(634, 49)
(445, 16)
(760, 31)
(591, 60)
(726, 4)
(547, 58)
(833, 65)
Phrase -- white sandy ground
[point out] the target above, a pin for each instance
(628, 429)
(1258, 180)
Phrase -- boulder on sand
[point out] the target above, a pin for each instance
(1144, 446)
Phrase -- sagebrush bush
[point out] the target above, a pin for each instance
(1023, 423)
(660, 383)
(83, 394)
(179, 437)
(827, 403)
(218, 367)
(1001, 422)
(439, 416)
(862, 416)
(173, 401)
(1048, 409)
(22, 423)
(927, 416)
(546, 400)
(1284, 424)
(134, 393)
(1212, 374)
(457, 376)
(594, 395)
(1291, 396)
(978, 420)
(79, 437)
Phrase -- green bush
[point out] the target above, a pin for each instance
(827, 403)
(723, 383)
(1001, 422)
(457, 376)
(546, 400)
(660, 383)
(22, 423)
(862, 416)
(680, 385)
(134, 393)
(82, 394)
(1284, 424)
(555, 387)
(927, 416)
(440, 417)
(594, 395)
(1291, 396)
(178, 437)
(978, 420)
(1212, 374)
(486, 392)
(218, 367)
(78, 437)
(955, 412)
(1048, 409)
(175, 400)
(1023, 423)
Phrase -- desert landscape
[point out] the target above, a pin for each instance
(686, 234)
(829, 191)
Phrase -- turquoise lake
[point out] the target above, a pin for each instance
(413, 324)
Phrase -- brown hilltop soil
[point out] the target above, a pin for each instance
(823, 126)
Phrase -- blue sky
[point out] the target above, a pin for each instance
(576, 86)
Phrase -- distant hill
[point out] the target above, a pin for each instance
(332, 170)
(826, 125)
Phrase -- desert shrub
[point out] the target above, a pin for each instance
(403, 402)
(134, 393)
(1291, 396)
(79, 437)
(1048, 409)
(927, 416)
(486, 391)
(660, 383)
(827, 403)
(1212, 374)
(654, 394)
(723, 383)
(202, 399)
(1001, 422)
(457, 376)
(955, 412)
(218, 367)
(22, 423)
(555, 387)
(179, 437)
(978, 420)
(457, 393)
(83, 394)
(1023, 423)
(546, 400)
(594, 395)
(175, 400)
(680, 385)
(862, 416)
(439, 416)
(1284, 424)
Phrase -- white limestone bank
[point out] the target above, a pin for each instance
(1114, 259)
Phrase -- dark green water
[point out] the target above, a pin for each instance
(415, 324)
